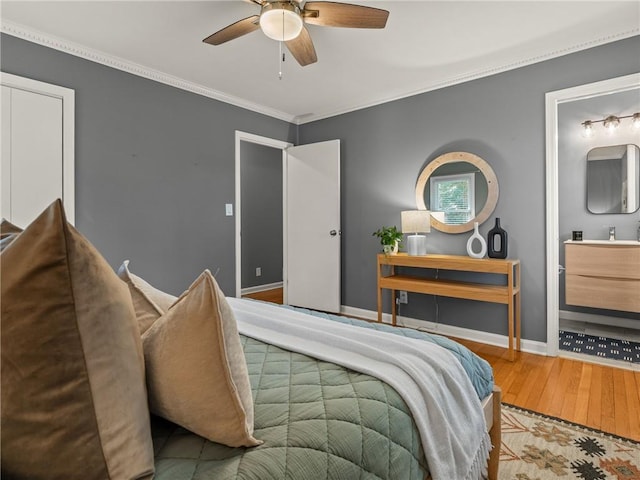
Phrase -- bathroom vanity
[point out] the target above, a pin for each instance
(603, 274)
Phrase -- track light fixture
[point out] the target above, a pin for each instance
(611, 123)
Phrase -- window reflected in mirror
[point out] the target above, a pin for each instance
(613, 179)
(454, 196)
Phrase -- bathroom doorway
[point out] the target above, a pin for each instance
(573, 329)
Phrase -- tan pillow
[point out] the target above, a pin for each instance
(73, 393)
(148, 302)
(196, 371)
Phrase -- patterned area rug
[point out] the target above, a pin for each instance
(623, 350)
(537, 447)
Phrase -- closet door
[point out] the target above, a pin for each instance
(33, 151)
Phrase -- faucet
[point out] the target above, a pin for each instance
(612, 234)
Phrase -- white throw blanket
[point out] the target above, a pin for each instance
(429, 378)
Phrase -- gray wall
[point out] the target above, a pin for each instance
(261, 203)
(501, 119)
(154, 166)
(572, 176)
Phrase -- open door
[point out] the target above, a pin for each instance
(313, 226)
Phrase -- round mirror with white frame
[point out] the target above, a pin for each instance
(459, 189)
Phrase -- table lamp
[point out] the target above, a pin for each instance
(415, 222)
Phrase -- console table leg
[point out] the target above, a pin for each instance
(511, 318)
(518, 322)
(517, 300)
(393, 308)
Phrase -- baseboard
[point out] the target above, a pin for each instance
(261, 288)
(599, 319)
(529, 346)
(583, 357)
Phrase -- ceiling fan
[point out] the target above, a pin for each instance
(284, 21)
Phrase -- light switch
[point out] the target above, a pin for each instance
(228, 208)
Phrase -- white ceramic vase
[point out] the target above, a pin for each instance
(476, 237)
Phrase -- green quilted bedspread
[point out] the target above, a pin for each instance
(318, 421)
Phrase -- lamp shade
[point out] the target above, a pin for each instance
(416, 221)
(280, 22)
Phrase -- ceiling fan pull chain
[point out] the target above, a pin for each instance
(280, 62)
(281, 56)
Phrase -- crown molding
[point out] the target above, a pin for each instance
(34, 36)
(26, 33)
(476, 75)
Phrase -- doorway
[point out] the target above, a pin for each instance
(259, 205)
(556, 102)
(262, 218)
(311, 242)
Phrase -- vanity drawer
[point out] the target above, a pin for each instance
(600, 292)
(619, 261)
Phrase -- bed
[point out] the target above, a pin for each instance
(88, 353)
(319, 419)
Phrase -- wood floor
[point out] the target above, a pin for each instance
(601, 397)
(275, 295)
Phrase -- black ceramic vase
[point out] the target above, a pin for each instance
(497, 241)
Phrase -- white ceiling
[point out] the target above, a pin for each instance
(426, 45)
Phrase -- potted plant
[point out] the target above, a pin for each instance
(390, 238)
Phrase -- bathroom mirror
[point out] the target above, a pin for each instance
(459, 188)
(613, 179)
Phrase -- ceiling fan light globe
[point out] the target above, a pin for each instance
(281, 24)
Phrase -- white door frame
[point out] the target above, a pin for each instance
(67, 96)
(552, 100)
(269, 142)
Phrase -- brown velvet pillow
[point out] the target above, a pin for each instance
(74, 403)
(148, 302)
(196, 371)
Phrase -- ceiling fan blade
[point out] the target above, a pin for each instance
(302, 48)
(333, 14)
(235, 30)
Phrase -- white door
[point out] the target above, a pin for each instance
(37, 148)
(313, 226)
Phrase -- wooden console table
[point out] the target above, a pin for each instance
(508, 294)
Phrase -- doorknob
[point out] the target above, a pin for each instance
(333, 233)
